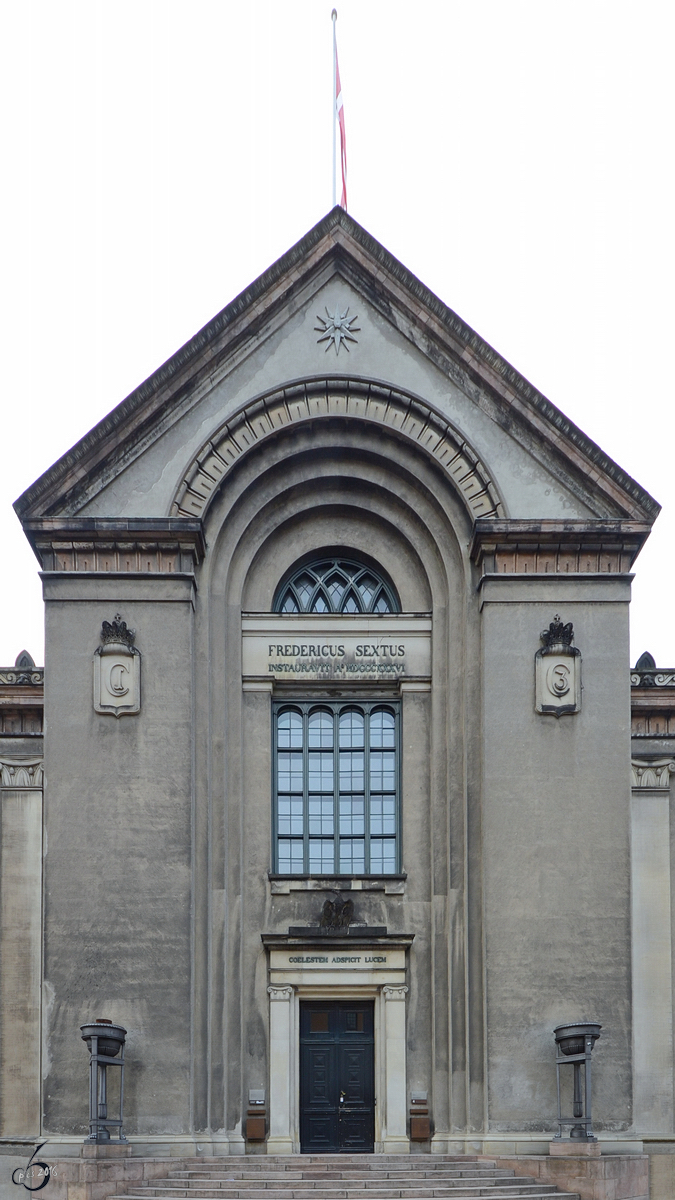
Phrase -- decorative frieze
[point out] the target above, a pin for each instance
(652, 700)
(368, 403)
(34, 677)
(21, 772)
(20, 722)
(642, 679)
(107, 546)
(21, 693)
(652, 722)
(501, 547)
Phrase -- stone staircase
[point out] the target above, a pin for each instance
(340, 1177)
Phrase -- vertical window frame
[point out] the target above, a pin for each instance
(336, 708)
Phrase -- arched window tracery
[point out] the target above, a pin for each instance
(336, 585)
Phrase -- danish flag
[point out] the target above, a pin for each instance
(340, 114)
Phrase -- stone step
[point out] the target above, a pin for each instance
(326, 1171)
(520, 1189)
(177, 1188)
(342, 1177)
(214, 1180)
(275, 1160)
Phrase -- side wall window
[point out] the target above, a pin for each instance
(336, 788)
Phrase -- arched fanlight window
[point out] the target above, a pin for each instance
(336, 585)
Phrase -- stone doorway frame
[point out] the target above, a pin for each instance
(388, 989)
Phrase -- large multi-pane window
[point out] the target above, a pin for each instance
(336, 788)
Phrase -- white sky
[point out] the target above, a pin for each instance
(516, 155)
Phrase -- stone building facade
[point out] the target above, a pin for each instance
(337, 744)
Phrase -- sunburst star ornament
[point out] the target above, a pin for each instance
(338, 329)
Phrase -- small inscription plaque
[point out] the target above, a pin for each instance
(339, 648)
(340, 959)
(337, 958)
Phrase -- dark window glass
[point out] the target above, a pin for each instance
(336, 788)
(336, 586)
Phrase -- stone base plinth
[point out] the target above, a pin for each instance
(105, 1150)
(567, 1147)
(603, 1177)
(95, 1176)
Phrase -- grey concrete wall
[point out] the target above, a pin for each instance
(158, 826)
(556, 850)
(117, 864)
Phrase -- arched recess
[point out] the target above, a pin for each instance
(407, 417)
(319, 485)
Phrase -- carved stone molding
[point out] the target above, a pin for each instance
(280, 993)
(21, 720)
(21, 772)
(643, 679)
(369, 404)
(654, 774)
(147, 546)
(392, 991)
(10, 676)
(652, 722)
(605, 547)
(21, 696)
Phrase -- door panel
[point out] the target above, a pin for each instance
(336, 1076)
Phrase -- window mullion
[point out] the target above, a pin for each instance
(397, 786)
(275, 787)
(366, 786)
(336, 789)
(305, 788)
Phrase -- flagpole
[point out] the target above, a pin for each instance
(334, 19)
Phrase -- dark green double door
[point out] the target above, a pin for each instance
(337, 1102)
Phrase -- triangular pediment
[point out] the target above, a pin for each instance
(261, 345)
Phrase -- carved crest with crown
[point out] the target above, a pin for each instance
(557, 670)
(117, 670)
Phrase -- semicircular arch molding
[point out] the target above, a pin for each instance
(287, 408)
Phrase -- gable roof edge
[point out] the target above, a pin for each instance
(336, 222)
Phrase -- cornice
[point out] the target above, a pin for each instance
(552, 547)
(142, 545)
(339, 238)
(334, 941)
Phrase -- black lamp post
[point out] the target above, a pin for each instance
(574, 1046)
(104, 1042)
